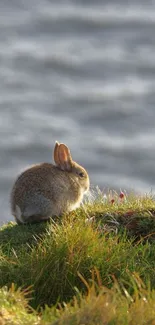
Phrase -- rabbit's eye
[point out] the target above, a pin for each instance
(81, 174)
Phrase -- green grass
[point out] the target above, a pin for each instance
(93, 266)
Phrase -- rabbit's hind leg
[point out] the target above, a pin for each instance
(37, 219)
(37, 209)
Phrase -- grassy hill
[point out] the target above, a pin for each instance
(94, 266)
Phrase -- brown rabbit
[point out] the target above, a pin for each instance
(47, 190)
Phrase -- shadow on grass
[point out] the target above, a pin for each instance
(13, 236)
(137, 224)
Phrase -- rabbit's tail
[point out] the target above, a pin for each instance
(19, 214)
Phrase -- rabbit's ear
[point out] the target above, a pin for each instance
(64, 157)
(56, 156)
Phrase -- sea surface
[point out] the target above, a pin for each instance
(82, 73)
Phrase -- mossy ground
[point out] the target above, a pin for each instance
(93, 266)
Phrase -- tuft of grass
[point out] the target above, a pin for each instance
(14, 309)
(98, 306)
(111, 233)
(103, 306)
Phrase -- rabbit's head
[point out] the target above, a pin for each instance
(64, 161)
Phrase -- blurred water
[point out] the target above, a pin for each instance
(80, 72)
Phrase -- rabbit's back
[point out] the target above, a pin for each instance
(36, 178)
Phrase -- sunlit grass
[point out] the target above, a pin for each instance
(113, 234)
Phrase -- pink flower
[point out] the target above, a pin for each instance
(130, 213)
(121, 196)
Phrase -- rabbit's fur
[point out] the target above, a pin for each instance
(47, 190)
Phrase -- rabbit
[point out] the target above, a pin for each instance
(45, 190)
